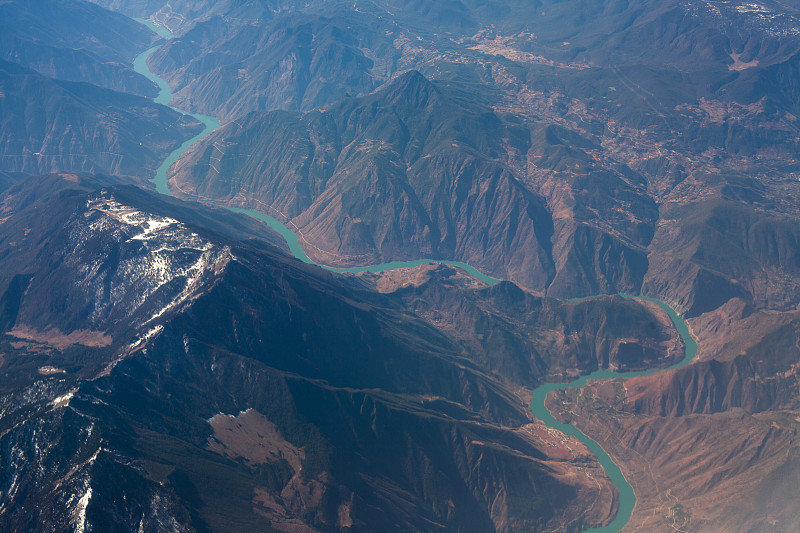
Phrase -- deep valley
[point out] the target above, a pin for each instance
(575, 170)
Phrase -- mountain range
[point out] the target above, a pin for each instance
(168, 365)
(184, 373)
(50, 125)
(75, 40)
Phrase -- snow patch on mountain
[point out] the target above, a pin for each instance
(80, 522)
(131, 262)
(772, 20)
(63, 400)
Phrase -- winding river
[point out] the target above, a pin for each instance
(627, 496)
(627, 499)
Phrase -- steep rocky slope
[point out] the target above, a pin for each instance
(50, 125)
(728, 471)
(635, 112)
(430, 198)
(575, 147)
(75, 40)
(164, 367)
(417, 170)
(709, 252)
(713, 445)
(298, 62)
(559, 339)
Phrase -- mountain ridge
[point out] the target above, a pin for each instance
(52, 125)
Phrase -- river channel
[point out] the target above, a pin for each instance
(627, 499)
(627, 496)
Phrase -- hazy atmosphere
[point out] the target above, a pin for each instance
(399, 265)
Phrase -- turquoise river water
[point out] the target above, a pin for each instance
(627, 496)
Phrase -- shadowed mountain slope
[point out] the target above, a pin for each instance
(417, 170)
(158, 369)
(50, 125)
(75, 40)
